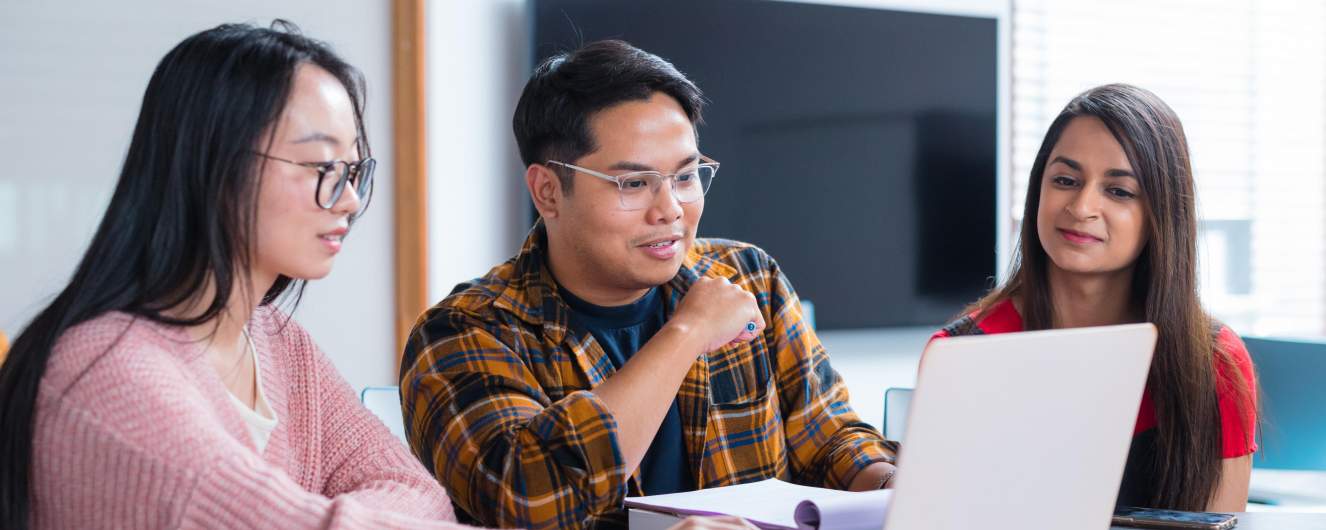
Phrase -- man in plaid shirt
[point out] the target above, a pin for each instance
(616, 354)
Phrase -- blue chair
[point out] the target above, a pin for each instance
(896, 403)
(385, 403)
(1291, 374)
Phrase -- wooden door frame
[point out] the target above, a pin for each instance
(409, 118)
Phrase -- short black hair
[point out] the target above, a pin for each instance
(552, 117)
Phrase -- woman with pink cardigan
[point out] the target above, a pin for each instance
(162, 388)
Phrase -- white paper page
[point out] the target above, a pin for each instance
(864, 510)
(772, 504)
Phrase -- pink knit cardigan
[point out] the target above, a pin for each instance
(135, 430)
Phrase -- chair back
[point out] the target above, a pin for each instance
(385, 403)
(1290, 374)
(896, 402)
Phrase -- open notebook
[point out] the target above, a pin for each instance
(770, 504)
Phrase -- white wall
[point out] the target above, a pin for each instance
(478, 61)
(72, 75)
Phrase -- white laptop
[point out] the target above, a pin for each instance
(1021, 430)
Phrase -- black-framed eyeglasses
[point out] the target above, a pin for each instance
(358, 174)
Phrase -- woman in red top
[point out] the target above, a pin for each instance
(1109, 237)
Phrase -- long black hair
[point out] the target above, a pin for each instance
(183, 213)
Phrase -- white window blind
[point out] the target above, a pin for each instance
(1248, 80)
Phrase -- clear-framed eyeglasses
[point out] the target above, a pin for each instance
(637, 189)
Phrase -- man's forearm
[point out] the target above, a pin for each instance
(640, 393)
(872, 477)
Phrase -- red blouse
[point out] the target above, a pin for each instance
(1237, 424)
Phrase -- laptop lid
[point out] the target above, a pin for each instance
(1021, 430)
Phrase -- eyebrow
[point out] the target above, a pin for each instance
(318, 137)
(635, 166)
(1076, 166)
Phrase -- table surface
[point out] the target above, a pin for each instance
(1247, 521)
(1273, 521)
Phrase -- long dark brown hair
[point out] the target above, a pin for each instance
(1182, 379)
(183, 211)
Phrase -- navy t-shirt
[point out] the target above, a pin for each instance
(622, 331)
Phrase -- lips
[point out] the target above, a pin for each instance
(661, 241)
(663, 248)
(334, 238)
(1081, 238)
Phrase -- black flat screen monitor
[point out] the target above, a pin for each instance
(857, 145)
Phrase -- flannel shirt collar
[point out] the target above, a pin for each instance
(531, 295)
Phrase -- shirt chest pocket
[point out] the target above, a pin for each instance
(740, 374)
(745, 423)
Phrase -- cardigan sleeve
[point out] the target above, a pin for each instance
(128, 436)
(364, 460)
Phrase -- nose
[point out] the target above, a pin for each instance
(665, 208)
(1085, 205)
(349, 201)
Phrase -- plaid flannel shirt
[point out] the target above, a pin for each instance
(497, 395)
